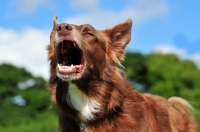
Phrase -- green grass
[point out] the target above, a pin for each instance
(45, 122)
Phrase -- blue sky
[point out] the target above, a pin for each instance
(166, 26)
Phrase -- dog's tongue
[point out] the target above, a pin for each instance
(69, 69)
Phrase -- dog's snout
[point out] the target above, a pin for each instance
(64, 28)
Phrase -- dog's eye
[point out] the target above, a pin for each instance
(89, 33)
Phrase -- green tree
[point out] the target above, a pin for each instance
(136, 70)
(170, 76)
(22, 95)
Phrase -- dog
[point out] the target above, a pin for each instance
(91, 92)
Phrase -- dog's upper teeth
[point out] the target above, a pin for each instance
(65, 62)
(74, 44)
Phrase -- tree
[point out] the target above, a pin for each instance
(136, 70)
(17, 84)
(170, 76)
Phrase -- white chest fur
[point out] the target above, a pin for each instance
(81, 102)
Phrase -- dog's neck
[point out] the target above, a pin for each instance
(86, 106)
(96, 98)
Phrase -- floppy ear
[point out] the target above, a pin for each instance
(120, 36)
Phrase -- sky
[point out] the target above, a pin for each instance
(165, 26)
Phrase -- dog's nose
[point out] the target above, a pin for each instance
(64, 28)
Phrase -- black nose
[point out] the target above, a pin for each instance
(64, 27)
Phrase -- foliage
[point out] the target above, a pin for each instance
(15, 116)
(136, 69)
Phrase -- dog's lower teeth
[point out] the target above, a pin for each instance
(59, 67)
(71, 67)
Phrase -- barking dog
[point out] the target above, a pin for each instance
(91, 92)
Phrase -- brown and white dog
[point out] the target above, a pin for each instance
(91, 92)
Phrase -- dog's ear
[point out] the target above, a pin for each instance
(119, 36)
(55, 23)
(50, 47)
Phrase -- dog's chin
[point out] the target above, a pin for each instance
(68, 77)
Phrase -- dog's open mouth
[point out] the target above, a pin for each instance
(70, 58)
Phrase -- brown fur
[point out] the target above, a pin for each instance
(122, 109)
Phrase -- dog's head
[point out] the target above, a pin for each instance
(82, 51)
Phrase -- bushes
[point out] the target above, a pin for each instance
(35, 115)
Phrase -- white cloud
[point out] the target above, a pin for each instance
(182, 53)
(28, 6)
(140, 11)
(169, 49)
(84, 4)
(26, 48)
(196, 58)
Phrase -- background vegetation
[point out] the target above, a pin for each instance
(25, 104)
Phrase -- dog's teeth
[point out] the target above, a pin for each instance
(59, 67)
(65, 62)
(71, 67)
(74, 44)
